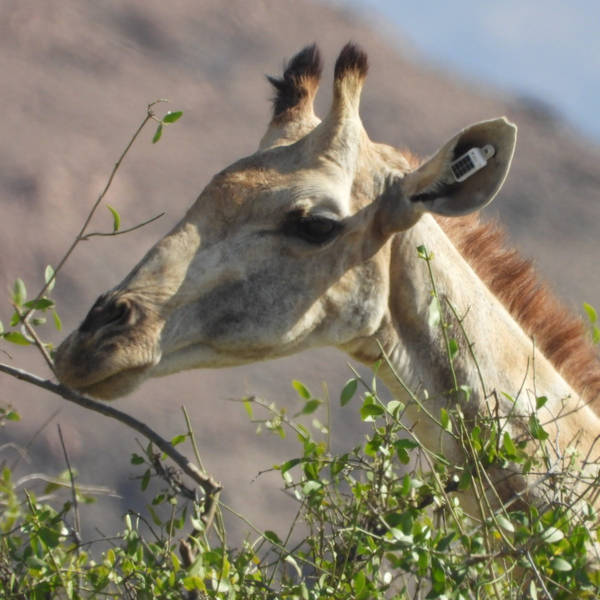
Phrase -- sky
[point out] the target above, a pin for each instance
(548, 50)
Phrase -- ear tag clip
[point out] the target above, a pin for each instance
(471, 162)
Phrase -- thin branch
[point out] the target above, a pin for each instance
(87, 236)
(32, 439)
(208, 484)
(149, 116)
(34, 336)
(220, 527)
(59, 483)
(76, 520)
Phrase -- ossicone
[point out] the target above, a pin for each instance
(293, 112)
(351, 61)
(300, 80)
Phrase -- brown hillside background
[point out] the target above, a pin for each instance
(75, 78)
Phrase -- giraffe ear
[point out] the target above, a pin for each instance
(466, 173)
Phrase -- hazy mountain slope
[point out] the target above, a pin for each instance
(75, 81)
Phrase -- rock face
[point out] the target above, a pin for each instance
(76, 78)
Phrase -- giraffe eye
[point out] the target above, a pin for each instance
(313, 229)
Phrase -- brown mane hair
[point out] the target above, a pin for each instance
(562, 337)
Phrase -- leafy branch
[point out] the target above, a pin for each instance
(210, 487)
(52, 272)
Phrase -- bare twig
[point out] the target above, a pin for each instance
(37, 432)
(81, 235)
(76, 521)
(36, 339)
(87, 236)
(210, 487)
(59, 483)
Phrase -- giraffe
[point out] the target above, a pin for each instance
(312, 241)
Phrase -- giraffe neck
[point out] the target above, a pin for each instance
(496, 361)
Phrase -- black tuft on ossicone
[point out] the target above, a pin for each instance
(301, 73)
(351, 58)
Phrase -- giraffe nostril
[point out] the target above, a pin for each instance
(120, 312)
(109, 311)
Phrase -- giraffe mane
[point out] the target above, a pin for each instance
(562, 337)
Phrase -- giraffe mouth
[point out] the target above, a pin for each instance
(105, 370)
(116, 385)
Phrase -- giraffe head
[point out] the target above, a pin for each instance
(283, 250)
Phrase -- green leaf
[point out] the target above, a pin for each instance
(286, 466)
(57, 321)
(248, 406)
(394, 407)
(155, 518)
(445, 420)
(539, 402)
(178, 439)
(12, 415)
(552, 535)
(508, 397)
(49, 536)
(406, 443)
(452, 348)
(509, 445)
(158, 133)
(467, 391)
(145, 479)
(445, 542)
(273, 537)
(536, 429)
(136, 459)
(14, 337)
(359, 582)
(406, 485)
(401, 536)
(310, 406)
(290, 560)
(505, 523)
(193, 583)
(171, 117)
(49, 277)
(301, 389)
(19, 292)
(560, 564)
(437, 573)
(465, 480)
(591, 312)
(372, 446)
(312, 486)
(422, 252)
(348, 391)
(403, 456)
(41, 304)
(369, 411)
(116, 218)
(533, 590)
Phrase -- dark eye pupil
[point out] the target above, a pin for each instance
(319, 227)
(316, 229)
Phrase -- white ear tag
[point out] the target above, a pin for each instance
(471, 162)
